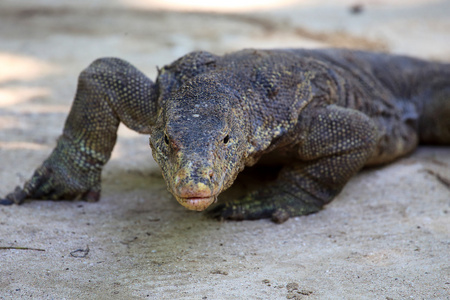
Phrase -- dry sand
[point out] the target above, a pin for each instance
(386, 236)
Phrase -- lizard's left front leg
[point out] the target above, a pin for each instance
(109, 91)
(334, 144)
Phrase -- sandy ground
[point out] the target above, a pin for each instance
(386, 236)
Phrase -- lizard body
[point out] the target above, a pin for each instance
(322, 114)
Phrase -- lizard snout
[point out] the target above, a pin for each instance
(194, 189)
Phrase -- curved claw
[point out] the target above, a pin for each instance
(6, 201)
(16, 197)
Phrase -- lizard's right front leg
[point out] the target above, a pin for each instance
(109, 91)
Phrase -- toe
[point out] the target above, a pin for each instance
(92, 196)
(17, 197)
(280, 216)
(6, 201)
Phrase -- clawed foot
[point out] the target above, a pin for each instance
(16, 197)
(57, 179)
(271, 202)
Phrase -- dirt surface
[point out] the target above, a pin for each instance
(386, 236)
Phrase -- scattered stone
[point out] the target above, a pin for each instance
(220, 272)
(292, 286)
(293, 296)
(305, 292)
(356, 9)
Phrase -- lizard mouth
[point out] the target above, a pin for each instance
(197, 203)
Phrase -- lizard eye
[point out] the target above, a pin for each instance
(226, 139)
(166, 139)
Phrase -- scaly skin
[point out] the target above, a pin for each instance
(323, 114)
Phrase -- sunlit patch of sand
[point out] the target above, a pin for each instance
(207, 5)
(257, 5)
(17, 95)
(19, 67)
(21, 145)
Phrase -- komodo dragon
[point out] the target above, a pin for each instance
(322, 114)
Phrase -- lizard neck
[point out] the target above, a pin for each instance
(272, 113)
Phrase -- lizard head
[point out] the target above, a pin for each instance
(198, 141)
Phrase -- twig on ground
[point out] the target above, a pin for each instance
(80, 253)
(21, 248)
(445, 181)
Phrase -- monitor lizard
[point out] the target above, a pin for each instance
(322, 114)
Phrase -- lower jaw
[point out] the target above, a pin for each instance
(198, 204)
